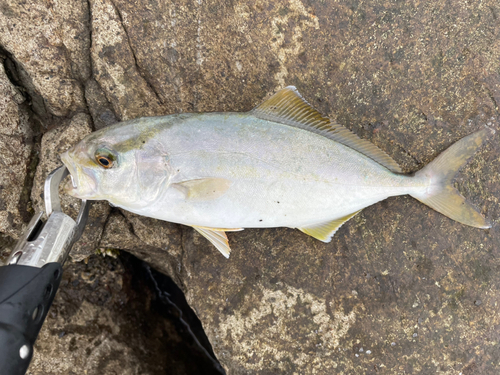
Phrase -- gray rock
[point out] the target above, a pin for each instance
(151, 240)
(99, 107)
(16, 145)
(115, 66)
(411, 77)
(50, 46)
(105, 322)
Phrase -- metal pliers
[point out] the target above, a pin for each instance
(29, 281)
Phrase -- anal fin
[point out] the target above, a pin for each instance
(217, 237)
(325, 231)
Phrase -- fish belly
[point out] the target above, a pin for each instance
(280, 176)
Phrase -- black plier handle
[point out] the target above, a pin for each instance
(29, 281)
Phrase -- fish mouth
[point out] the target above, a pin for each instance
(83, 181)
(70, 187)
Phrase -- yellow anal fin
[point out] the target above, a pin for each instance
(217, 237)
(288, 107)
(325, 231)
(203, 189)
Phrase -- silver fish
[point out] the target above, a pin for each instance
(280, 165)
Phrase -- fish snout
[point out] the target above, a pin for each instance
(82, 183)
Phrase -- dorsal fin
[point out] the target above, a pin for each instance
(288, 107)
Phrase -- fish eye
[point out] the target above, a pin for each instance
(105, 158)
(104, 161)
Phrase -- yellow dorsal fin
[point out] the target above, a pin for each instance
(325, 231)
(288, 107)
(217, 237)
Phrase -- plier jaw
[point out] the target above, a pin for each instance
(49, 242)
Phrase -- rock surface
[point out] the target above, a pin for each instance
(109, 319)
(401, 288)
(16, 143)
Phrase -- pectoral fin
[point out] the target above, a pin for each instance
(203, 189)
(217, 237)
(325, 231)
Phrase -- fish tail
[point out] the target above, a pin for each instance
(440, 194)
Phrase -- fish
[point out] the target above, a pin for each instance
(282, 164)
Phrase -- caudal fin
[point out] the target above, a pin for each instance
(441, 195)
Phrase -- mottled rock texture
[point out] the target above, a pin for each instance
(109, 319)
(16, 145)
(401, 288)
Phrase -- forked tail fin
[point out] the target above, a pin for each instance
(440, 194)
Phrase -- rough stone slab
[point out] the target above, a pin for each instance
(151, 240)
(49, 42)
(115, 66)
(99, 107)
(16, 145)
(105, 322)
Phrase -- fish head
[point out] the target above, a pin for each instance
(97, 170)
(117, 166)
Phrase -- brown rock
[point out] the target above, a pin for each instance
(49, 43)
(16, 144)
(115, 67)
(151, 240)
(105, 322)
(99, 107)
